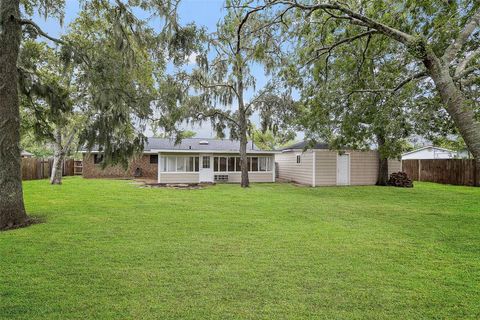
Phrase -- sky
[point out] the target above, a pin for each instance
(202, 12)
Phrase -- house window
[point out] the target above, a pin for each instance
(254, 164)
(206, 162)
(262, 164)
(154, 158)
(97, 158)
(223, 164)
(192, 164)
(171, 164)
(179, 164)
(231, 164)
(298, 159)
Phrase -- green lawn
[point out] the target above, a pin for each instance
(109, 249)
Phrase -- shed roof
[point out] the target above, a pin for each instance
(305, 144)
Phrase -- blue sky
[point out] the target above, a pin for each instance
(202, 12)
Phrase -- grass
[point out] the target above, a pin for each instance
(108, 249)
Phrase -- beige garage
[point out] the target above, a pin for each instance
(321, 166)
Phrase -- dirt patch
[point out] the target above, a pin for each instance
(184, 186)
(30, 221)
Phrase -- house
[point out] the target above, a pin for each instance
(193, 160)
(320, 166)
(26, 154)
(430, 152)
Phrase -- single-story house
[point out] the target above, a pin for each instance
(193, 160)
(320, 166)
(26, 154)
(430, 152)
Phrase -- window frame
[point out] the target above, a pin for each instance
(96, 158)
(154, 156)
(166, 161)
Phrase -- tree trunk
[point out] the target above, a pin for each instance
(58, 158)
(12, 209)
(245, 183)
(460, 109)
(382, 179)
(242, 123)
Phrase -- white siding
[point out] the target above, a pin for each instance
(290, 170)
(326, 168)
(429, 153)
(363, 167)
(394, 166)
(179, 177)
(252, 176)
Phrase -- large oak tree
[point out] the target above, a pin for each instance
(115, 112)
(442, 37)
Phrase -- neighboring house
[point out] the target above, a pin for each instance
(320, 166)
(26, 154)
(194, 160)
(464, 154)
(430, 152)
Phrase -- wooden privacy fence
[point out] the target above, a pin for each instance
(34, 168)
(446, 171)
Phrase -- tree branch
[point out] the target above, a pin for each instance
(356, 18)
(328, 49)
(244, 20)
(466, 72)
(40, 31)
(463, 64)
(462, 38)
(215, 112)
(216, 85)
(418, 75)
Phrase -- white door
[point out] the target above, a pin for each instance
(206, 168)
(343, 169)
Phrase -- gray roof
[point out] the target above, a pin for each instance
(197, 144)
(302, 145)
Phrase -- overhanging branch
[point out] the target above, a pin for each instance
(40, 31)
(462, 38)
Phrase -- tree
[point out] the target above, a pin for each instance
(224, 80)
(339, 111)
(113, 108)
(441, 37)
(268, 140)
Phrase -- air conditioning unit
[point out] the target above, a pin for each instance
(221, 178)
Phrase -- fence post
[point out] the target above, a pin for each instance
(419, 170)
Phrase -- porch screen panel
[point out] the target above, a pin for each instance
(181, 164)
(237, 164)
(254, 163)
(171, 167)
(262, 164)
(223, 164)
(231, 164)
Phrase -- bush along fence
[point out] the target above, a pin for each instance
(38, 168)
(446, 171)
